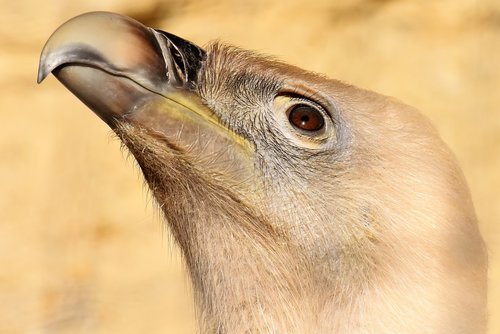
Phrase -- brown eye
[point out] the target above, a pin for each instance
(306, 118)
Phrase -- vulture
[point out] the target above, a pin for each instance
(301, 204)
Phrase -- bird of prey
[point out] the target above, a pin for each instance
(301, 204)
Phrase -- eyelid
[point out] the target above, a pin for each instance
(307, 97)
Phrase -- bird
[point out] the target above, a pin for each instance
(301, 204)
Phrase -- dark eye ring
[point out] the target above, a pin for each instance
(306, 118)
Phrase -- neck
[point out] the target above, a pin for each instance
(249, 276)
(243, 285)
(241, 267)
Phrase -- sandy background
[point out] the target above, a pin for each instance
(82, 249)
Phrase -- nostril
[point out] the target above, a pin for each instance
(179, 61)
(185, 57)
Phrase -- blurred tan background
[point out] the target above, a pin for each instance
(82, 249)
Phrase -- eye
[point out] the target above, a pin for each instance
(306, 118)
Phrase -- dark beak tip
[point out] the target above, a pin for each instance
(41, 76)
(43, 70)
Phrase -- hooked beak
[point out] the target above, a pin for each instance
(113, 63)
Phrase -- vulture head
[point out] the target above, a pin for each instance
(301, 204)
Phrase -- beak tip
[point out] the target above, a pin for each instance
(43, 69)
(41, 76)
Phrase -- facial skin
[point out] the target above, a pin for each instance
(301, 204)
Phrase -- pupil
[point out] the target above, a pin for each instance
(304, 119)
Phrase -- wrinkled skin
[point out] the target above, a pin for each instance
(365, 226)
